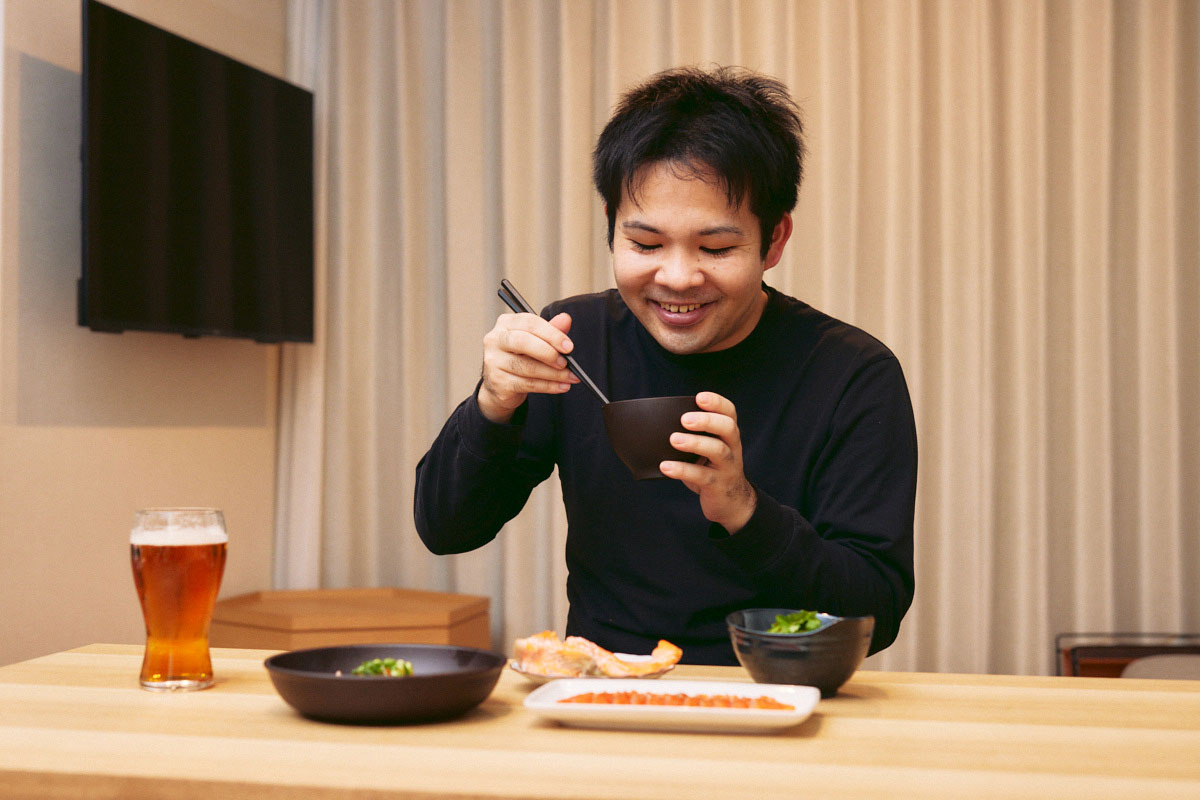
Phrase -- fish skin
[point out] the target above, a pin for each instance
(544, 654)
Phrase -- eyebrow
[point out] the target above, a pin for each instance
(718, 229)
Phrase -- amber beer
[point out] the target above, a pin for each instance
(178, 558)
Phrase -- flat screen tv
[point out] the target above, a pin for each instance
(197, 188)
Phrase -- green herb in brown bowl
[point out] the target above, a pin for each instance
(388, 667)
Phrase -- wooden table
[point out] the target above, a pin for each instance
(75, 724)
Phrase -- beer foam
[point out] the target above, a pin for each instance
(177, 536)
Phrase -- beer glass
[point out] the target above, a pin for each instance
(178, 557)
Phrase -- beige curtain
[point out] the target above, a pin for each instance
(1006, 193)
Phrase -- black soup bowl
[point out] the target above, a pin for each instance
(447, 681)
(825, 657)
(640, 431)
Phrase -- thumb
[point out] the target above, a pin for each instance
(562, 321)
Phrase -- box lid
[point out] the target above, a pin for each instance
(342, 609)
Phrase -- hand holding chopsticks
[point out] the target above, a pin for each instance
(513, 299)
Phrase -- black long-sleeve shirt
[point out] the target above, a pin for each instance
(828, 442)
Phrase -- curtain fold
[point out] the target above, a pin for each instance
(301, 419)
(1007, 193)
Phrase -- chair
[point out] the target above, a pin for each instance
(1170, 666)
(1105, 655)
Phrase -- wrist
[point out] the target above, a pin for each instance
(742, 512)
(491, 407)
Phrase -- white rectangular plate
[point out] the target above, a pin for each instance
(544, 702)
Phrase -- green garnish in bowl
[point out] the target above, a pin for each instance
(391, 667)
(799, 622)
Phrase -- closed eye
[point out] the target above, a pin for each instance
(718, 251)
(643, 248)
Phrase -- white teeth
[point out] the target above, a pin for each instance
(674, 309)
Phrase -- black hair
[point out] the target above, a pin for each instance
(738, 127)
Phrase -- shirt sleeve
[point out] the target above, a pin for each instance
(475, 477)
(853, 554)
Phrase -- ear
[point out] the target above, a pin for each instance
(609, 236)
(779, 237)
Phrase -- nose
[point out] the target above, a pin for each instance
(678, 272)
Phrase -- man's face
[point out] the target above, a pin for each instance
(687, 264)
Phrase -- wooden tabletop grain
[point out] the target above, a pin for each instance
(75, 724)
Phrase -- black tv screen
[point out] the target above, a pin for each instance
(197, 188)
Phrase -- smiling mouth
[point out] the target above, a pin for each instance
(678, 308)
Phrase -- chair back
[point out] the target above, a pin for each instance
(1183, 666)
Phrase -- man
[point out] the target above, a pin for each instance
(804, 493)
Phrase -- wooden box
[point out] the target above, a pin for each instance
(293, 620)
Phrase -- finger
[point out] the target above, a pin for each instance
(562, 321)
(552, 331)
(711, 401)
(719, 425)
(523, 341)
(535, 386)
(693, 476)
(503, 383)
(709, 447)
(516, 367)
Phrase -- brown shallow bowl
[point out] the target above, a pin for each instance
(447, 681)
(824, 658)
(640, 431)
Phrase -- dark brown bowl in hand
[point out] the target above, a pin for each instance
(640, 431)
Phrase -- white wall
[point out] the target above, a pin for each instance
(93, 426)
